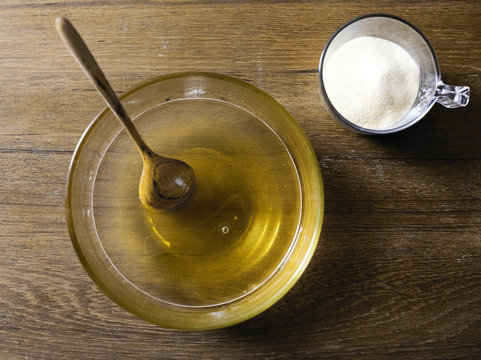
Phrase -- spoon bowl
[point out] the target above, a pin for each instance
(165, 183)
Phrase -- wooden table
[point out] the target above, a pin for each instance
(397, 273)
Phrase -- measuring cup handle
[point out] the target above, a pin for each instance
(452, 96)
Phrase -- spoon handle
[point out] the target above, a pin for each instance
(79, 50)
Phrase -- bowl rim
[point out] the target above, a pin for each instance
(314, 238)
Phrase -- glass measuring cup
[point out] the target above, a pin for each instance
(400, 32)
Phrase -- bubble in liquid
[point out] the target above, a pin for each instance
(225, 229)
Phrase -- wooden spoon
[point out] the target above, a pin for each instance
(165, 183)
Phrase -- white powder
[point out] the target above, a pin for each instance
(372, 82)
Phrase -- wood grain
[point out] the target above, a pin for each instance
(398, 271)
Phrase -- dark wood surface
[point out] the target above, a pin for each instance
(397, 273)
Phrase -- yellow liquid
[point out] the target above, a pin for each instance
(233, 234)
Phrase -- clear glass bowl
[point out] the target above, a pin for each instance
(243, 239)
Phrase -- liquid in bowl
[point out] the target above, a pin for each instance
(235, 231)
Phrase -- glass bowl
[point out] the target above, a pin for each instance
(242, 240)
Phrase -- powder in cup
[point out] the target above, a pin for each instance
(371, 82)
